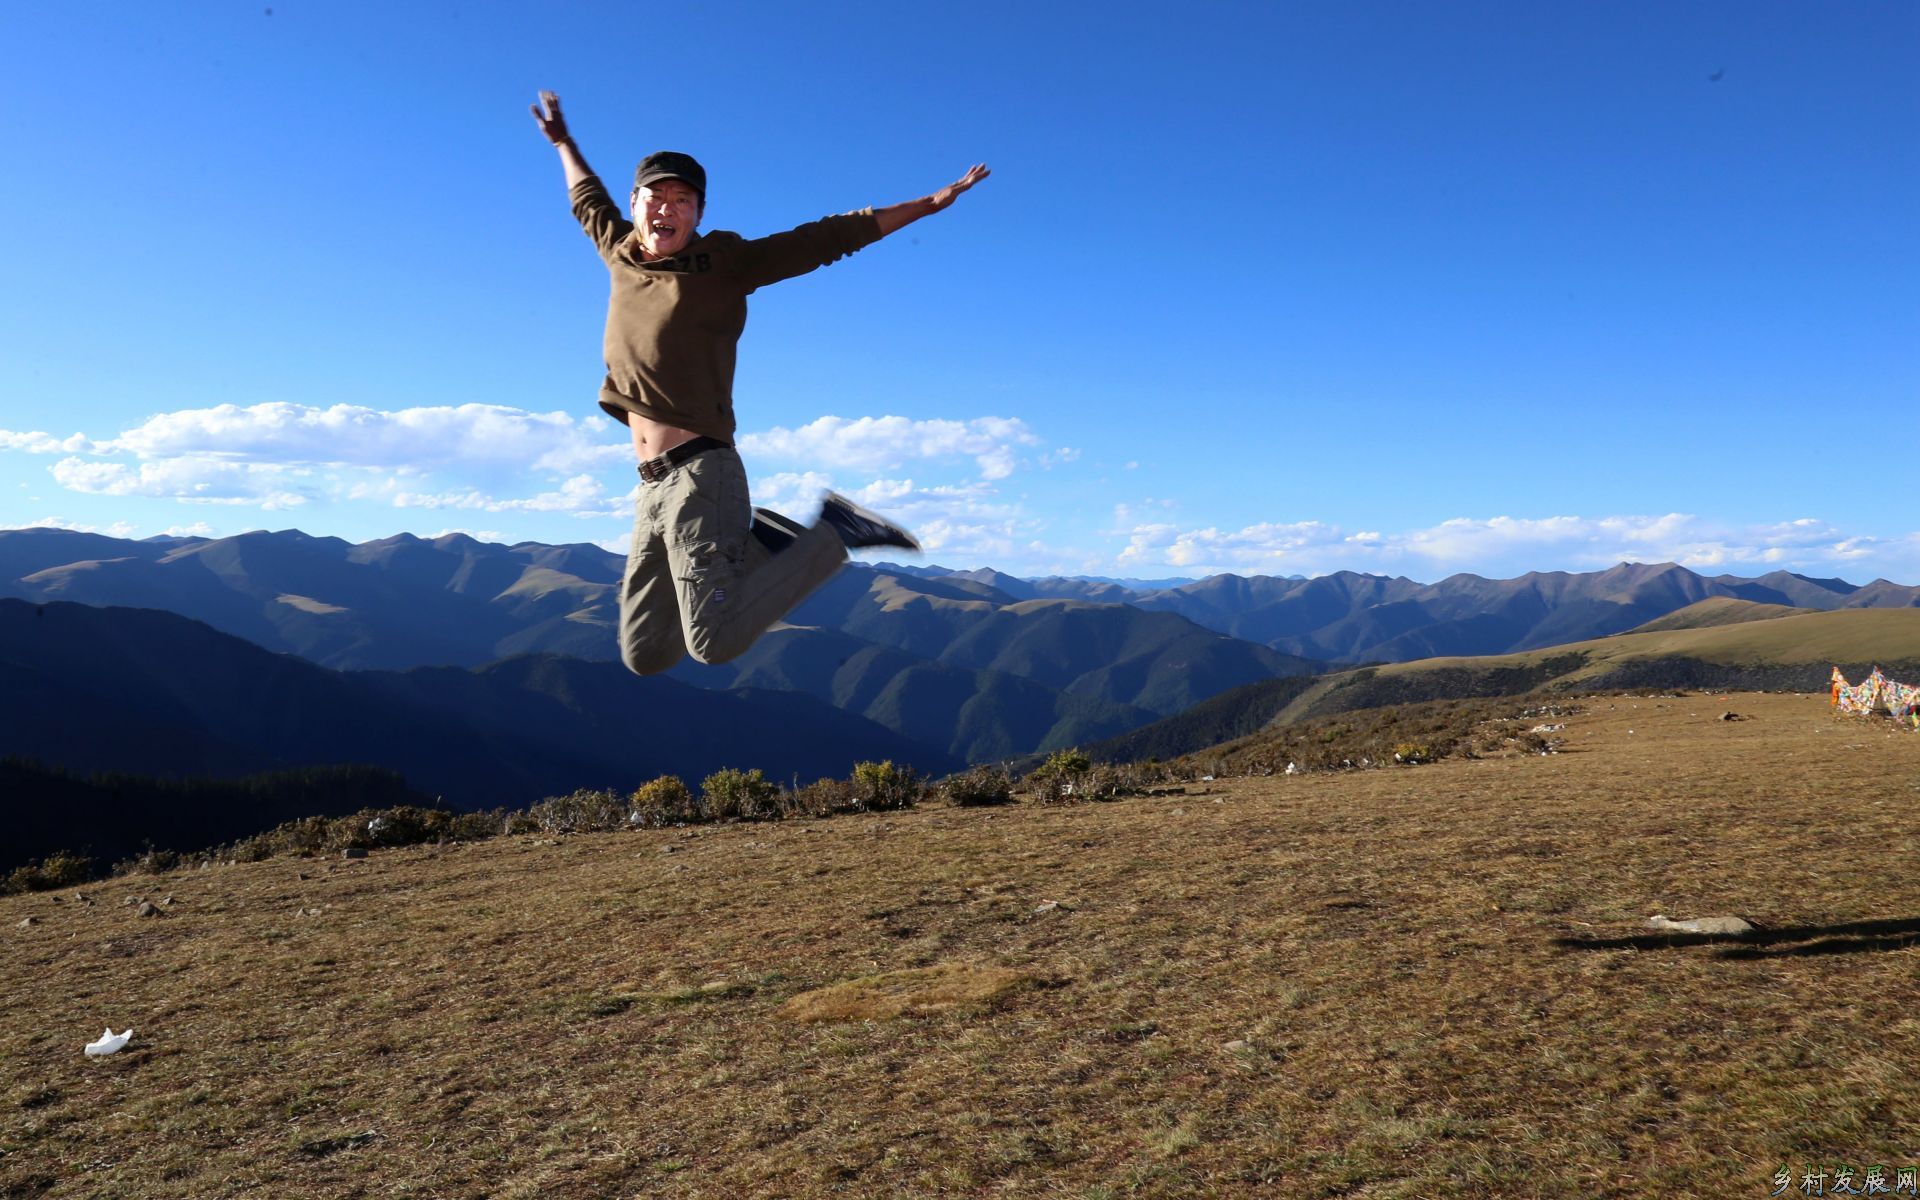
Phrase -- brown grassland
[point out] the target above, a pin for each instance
(1403, 982)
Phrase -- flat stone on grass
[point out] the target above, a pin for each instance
(920, 992)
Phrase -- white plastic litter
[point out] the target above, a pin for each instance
(1722, 925)
(108, 1043)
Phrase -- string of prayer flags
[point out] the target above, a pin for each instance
(1876, 691)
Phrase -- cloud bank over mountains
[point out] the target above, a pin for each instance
(481, 459)
(1503, 544)
(987, 491)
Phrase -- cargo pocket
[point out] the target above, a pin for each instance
(696, 523)
(705, 579)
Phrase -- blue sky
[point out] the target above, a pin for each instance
(1287, 288)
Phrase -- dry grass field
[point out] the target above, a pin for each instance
(1406, 982)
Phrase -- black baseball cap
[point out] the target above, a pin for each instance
(671, 164)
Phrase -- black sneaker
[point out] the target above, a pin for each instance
(860, 529)
(774, 531)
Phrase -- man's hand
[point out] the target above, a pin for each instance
(896, 216)
(948, 194)
(553, 126)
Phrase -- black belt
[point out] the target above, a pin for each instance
(655, 469)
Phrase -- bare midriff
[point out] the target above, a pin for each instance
(653, 438)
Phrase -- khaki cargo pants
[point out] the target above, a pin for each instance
(698, 582)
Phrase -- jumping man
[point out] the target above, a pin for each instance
(708, 573)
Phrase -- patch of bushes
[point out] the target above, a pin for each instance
(725, 795)
(663, 802)
(1406, 734)
(59, 869)
(1067, 777)
(368, 829)
(731, 795)
(821, 798)
(882, 787)
(584, 811)
(1059, 778)
(978, 787)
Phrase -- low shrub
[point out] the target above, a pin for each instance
(663, 802)
(881, 786)
(588, 810)
(475, 826)
(407, 825)
(1111, 782)
(733, 795)
(978, 787)
(1059, 778)
(821, 798)
(150, 862)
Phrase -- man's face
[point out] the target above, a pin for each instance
(667, 213)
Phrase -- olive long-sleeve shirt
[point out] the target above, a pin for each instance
(674, 325)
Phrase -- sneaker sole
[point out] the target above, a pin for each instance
(907, 541)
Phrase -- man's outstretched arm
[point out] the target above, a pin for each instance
(896, 216)
(553, 127)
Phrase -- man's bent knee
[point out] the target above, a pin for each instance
(650, 659)
(709, 650)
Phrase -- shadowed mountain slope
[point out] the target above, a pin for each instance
(1001, 677)
(148, 692)
(978, 715)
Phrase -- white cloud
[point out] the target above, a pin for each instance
(968, 522)
(281, 455)
(470, 435)
(579, 496)
(888, 443)
(43, 443)
(198, 529)
(1160, 542)
(1508, 545)
(191, 480)
(795, 493)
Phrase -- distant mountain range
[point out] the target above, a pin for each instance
(1368, 618)
(963, 665)
(453, 601)
(956, 665)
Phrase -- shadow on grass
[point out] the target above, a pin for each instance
(1785, 941)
